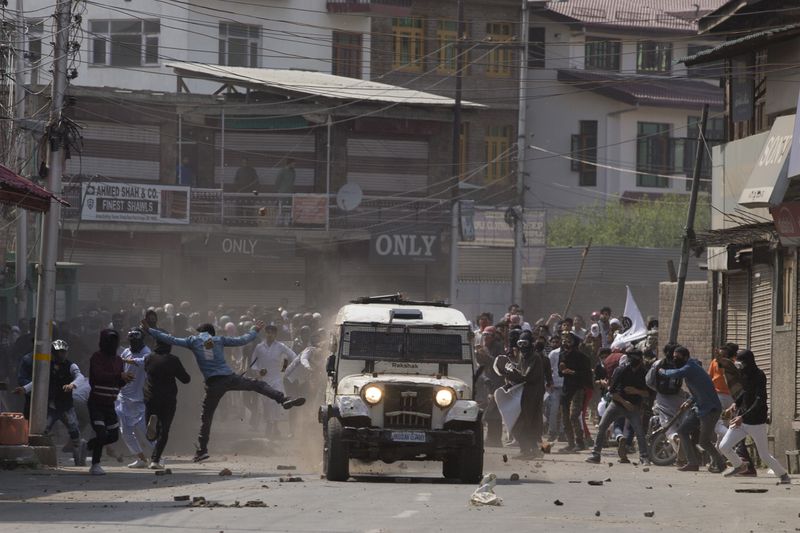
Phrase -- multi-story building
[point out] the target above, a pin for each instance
(610, 113)
(753, 244)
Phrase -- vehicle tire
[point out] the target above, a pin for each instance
(661, 451)
(451, 466)
(471, 459)
(335, 458)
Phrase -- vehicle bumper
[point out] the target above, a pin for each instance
(434, 439)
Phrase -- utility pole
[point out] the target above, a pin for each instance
(519, 214)
(47, 264)
(688, 235)
(21, 253)
(456, 167)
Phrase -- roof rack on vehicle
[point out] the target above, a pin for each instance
(397, 299)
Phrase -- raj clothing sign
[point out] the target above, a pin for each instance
(134, 202)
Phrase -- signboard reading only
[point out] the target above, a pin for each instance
(135, 202)
(404, 248)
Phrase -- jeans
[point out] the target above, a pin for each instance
(571, 412)
(613, 412)
(164, 409)
(705, 424)
(216, 387)
(759, 435)
(68, 417)
(553, 420)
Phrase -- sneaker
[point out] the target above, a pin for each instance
(785, 480)
(200, 456)
(138, 463)
(644, 461)
(155, 466)
(569, 448)
(714, 469)
(734, 470)
(593, 458)
(689, 468)
(152, 428)
(96, 470)
(288, 403)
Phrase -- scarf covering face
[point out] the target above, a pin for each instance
(109, 341)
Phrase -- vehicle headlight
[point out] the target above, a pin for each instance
(445, 397)
(372, 394)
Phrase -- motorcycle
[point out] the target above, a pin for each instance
(662, 453)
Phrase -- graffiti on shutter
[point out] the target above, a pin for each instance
(736, 314)
(761, 321)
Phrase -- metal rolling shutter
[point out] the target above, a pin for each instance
(361, 278)
(118, 151)
(266, 152)
(761, 321)
(381, 166)
(280, 278)
(737, 323)
(484, 264)
(100, 269)
(797, 356)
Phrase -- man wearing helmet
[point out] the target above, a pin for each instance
(65, 376)
(130, 404)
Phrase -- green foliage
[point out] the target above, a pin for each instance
(644, 224)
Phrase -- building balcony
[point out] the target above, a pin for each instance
(396, 8)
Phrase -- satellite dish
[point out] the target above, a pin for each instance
(349, 196)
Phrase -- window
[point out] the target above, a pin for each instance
(347, 52)
(784, 307)
(584, 148)
(124, 43)
(601, 54)
(34, 55)
(498, 152)
(499, 59)
(712, 70)
(653, 57)
(408, 44)
(536, 50)
(447, 44)
(652, 154)
(239, 44)
(463, 145)
(715, 134)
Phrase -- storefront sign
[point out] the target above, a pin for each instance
(768, 182)
(405, 247)
(491, 228)
(309, 209)
(250, 245)
(787, 221)
(134, 202)
(742, 88)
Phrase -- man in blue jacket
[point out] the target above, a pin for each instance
(208, 350)
(703, 415)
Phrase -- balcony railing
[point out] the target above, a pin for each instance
(291, 211)
(383, 7)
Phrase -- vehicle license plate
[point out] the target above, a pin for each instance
(408, 436)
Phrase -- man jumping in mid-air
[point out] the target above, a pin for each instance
(207, 348)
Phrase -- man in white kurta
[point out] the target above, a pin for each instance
(130, 402)
(270, 359)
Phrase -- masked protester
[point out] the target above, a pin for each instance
(669, 394)
(703, 415)
(65, 376)
(106, 376)
(161, 397)
(529, 370)
(574, 367)
(208, 350)
(751, 414)
(130, 403)
(628, 391)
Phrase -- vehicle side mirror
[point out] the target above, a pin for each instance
(330, 365)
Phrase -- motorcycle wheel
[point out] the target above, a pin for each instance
(661, 451)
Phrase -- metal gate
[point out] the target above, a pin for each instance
(761, 321)
(797, 355)
(737, 323)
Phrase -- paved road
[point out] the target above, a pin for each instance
(394, 498)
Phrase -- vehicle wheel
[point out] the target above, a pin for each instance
(451, 466)
(471, 459)
(661, 451)
(336, 461)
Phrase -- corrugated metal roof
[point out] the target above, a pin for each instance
(615, 263)
(17, 190)
(315, 83)
(657, 91)
(676, 15)
(746, 43)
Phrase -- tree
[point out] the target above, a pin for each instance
(656, 223)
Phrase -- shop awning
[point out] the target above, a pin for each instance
(769, 180)
(22, 192)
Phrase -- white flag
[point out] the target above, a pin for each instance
(638, 329)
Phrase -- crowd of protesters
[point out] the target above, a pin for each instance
(113, 375)
(590, 384)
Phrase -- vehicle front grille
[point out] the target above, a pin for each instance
(408, 406)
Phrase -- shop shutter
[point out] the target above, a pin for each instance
(359, 277)
(761, 321)
(797, 356)
(484, 264)
(266, 152)
(737, 323)
(381, 166)
(117, 151)
(278, 281)
(129, 273)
